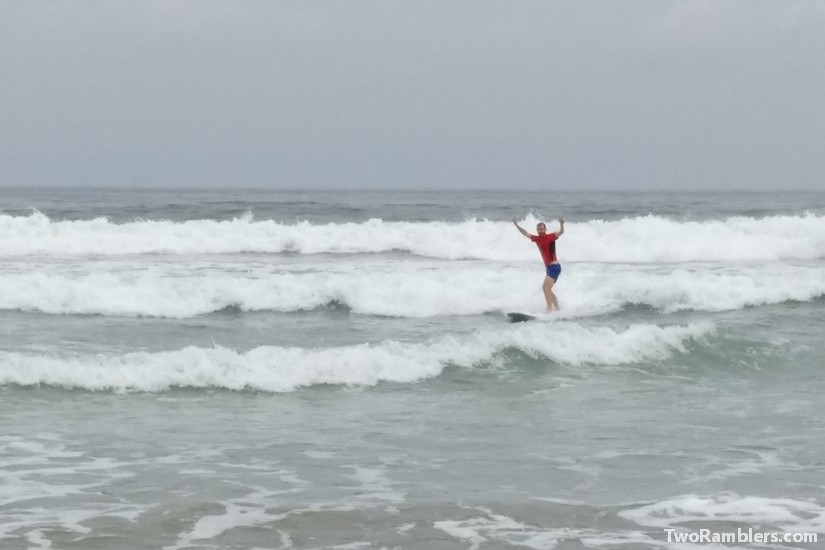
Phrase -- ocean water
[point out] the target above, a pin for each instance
(306, 370)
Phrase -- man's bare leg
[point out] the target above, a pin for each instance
(549, 295)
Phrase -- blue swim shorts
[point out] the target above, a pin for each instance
(553, 271)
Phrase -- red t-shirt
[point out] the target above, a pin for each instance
(547, 246)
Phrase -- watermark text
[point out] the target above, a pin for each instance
(746, 536)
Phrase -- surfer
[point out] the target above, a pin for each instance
(547, 246)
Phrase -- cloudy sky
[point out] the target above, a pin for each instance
(699, 94)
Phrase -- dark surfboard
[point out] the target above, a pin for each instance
(519, 317)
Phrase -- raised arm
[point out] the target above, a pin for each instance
(560, 232)
(521, 230)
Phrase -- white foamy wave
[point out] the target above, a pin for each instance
(43, 470)
(491, 527)
(700, 288)
(401, 290)
(487, 527)
(657, 239)
(782, 513)
(426, 293)
(640, 239)
(281, 369)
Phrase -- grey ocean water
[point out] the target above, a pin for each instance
(273, 370)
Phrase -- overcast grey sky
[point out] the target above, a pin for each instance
(699, 94)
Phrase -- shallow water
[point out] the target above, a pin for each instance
(287, 370)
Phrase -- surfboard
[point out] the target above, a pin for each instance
(519, 317)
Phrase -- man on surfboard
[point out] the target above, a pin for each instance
(547, 246)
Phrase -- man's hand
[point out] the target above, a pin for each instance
(522, 231)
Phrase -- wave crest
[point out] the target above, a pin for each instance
(283, 369)
(640, 239)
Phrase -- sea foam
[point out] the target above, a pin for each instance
(284, 369)
(783, 513)
(411, 289)
(639, 239)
